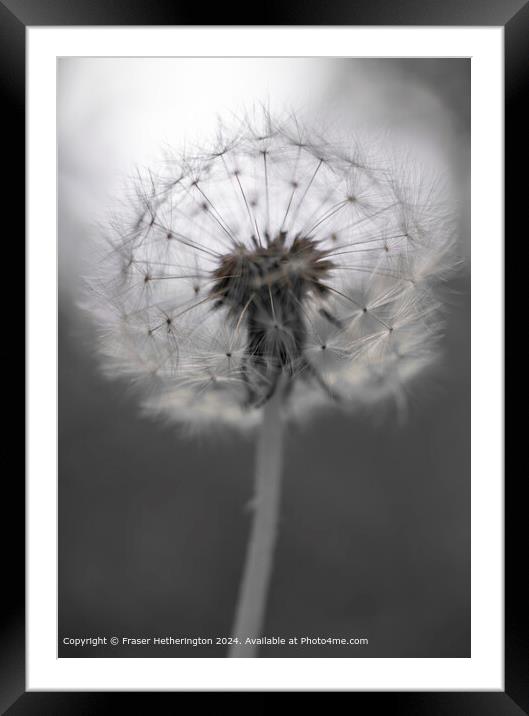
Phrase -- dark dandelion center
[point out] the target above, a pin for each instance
(265, 288)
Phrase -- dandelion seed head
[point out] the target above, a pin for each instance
(273, 253)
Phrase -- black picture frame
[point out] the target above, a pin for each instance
(15, 16)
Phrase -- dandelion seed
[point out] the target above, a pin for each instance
(286, 273)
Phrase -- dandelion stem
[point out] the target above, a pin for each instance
(250, 612)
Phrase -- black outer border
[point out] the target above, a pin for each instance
(15, 15)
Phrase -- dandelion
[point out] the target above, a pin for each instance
(267, 275)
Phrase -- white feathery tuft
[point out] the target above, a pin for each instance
(273, 252)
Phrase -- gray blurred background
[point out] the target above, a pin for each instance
(375, 520)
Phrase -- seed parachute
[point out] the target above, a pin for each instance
(273, 256)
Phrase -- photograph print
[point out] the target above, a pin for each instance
(264, 357)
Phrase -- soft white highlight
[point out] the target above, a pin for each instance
(380, 230)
